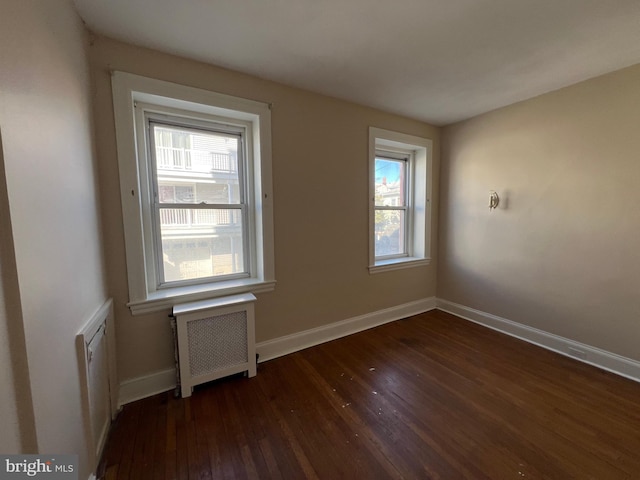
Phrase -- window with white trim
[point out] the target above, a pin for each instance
(400, 207)
(195, 173)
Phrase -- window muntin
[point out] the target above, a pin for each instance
(392, 204)
(198, 201)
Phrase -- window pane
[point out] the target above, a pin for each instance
(185, 194)
(390, 182)
(389, 232)
(195, 166)
(201, 243)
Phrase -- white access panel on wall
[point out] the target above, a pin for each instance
(215, 338)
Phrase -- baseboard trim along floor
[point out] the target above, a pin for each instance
(148, 385)
(164, 380)
(608, 361)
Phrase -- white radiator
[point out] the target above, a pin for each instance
(215, 338)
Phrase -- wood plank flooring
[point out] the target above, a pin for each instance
(432, 396)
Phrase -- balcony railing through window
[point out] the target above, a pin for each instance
(182, 217)
(171, 158)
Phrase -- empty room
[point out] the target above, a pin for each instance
(280, 239)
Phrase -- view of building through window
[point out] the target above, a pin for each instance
(199, 206)
(390, 206)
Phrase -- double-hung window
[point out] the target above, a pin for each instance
(199, 205)
(195, 178)
(400, 207)
(393, 200)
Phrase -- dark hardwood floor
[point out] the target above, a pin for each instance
(432, 396)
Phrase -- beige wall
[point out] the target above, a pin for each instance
(16, 410)
(561, 252)
(320, 207)
(45, 118)
(11, 437)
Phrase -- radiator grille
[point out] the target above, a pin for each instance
(217, 342)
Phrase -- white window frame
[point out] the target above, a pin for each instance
(419, 171)
(134, 97)
(146, 115)
(406, 156)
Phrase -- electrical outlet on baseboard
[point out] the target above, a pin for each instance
(576, 352)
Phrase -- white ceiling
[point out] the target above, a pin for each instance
(435, 60)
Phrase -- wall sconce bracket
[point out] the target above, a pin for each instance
(494, 200)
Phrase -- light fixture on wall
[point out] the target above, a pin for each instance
(494, 200)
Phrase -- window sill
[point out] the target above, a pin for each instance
(167, 298)
(398, 264)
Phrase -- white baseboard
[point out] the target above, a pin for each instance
(147, 385)
(611, 362)
(162, 381)
(298, 341)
